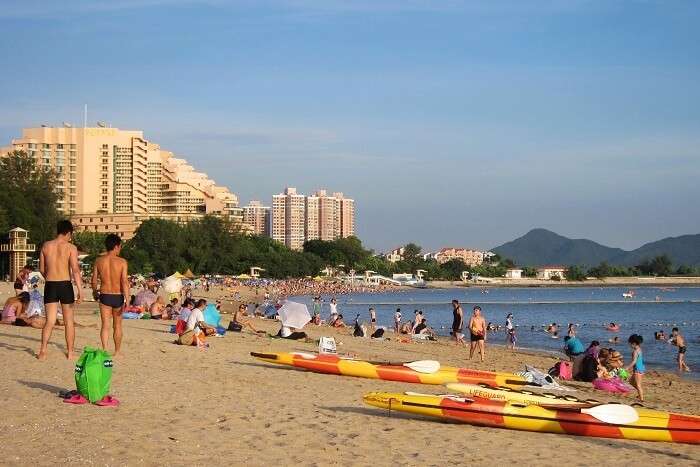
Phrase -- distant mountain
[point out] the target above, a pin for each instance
(682, 250)
(540, 247)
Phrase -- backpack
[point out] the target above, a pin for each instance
(562, 370)
(565, 370)
(93, 374)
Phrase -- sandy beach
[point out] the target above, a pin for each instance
(183, 406)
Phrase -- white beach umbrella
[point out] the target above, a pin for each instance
(172, 284)
(145, 298)
(294, 315)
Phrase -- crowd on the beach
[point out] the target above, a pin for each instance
(112, 288)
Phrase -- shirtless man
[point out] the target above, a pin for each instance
(679, 341)
(477, 328)
(111, 272)
(57, 263)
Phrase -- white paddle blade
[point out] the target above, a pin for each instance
(618, 414)
(423, 366)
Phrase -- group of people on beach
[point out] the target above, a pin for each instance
(477, 329)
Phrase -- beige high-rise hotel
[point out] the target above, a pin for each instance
(110, 180)
(297, 218)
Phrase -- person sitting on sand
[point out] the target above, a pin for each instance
(157, 308)
(15, 308)
(238, 318)
(406, 328)
(197, 325)
(286, 332)
(338, 322)
(423, 330)
(175, 308)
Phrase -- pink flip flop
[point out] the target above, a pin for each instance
(75, 399)
(108, 401)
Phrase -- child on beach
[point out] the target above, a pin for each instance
(637, 367)
(679, 341)
(510, 332)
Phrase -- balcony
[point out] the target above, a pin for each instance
(6, 248)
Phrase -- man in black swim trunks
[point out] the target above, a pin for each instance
(111, 272)
(58, 261)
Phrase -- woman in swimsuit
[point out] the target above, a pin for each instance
(637, 367)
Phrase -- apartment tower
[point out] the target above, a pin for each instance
(256, 218)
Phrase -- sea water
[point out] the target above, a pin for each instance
(589, 308)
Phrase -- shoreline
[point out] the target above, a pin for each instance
(637, 281)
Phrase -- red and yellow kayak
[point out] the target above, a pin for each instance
(335, 365)
(651, 425)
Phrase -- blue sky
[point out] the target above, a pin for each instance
(458, 123)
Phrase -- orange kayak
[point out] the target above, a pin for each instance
(646, 424)
(335, 365)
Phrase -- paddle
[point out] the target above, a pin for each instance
(421, 366)
(617, 414)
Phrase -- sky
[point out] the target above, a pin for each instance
(451, 123)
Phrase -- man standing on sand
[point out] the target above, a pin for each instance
(111, 272)
(477, 329)
(457, 322)
(58, 261)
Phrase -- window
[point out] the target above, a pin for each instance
(105, 146)
(59, 146)
(72, 146)
(72, 183)
(46, 146)
(104, 205)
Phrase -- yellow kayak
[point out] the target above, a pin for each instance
(407, 372)
(592, 420)
(518, 395)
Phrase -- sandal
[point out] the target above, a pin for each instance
(108, 401)
(77, 399)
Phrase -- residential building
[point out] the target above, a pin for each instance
(297, 218)
(514, 273)
(395, 255)
(549, 272)
(313, 223)
(256, 218)
(289, 218)
(467, 256)
(107, 171)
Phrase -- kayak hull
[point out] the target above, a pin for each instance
(333, 364)
(652, 425)
(518, 395)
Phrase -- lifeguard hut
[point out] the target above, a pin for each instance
(17, 248)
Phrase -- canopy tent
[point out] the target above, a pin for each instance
(176, 275)
(189, 274)
(243, 276)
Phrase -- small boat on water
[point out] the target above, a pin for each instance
(628, 294)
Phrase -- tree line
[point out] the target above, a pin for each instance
(213, 245)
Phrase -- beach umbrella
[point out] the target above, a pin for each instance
(294, 315)
(145, 298)
(172, 284)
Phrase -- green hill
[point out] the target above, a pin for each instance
(541, 247)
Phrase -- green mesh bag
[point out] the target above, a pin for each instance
(93, 374)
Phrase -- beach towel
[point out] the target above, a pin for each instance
(93, 374)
